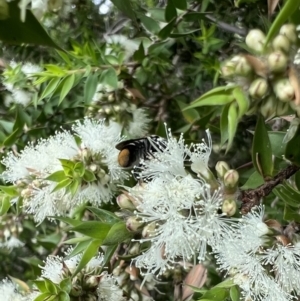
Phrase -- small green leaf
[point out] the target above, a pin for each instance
(109, 77)
(50, 88)
(286, 11)
(43, 297)
(109, 252)
(292, 149)
(51, 287)
(66, 284)
(189, 115)
(62, 184)
(68, 220)
(288, 194)
(139, 55)
(241, 100)
(11, 139)
(150, 24)
(290, 214)
(170, 11)
(90, 87)
(117, 234)
(79, 248)
(73, 187)
(125, 6)
(165, 31)
(254, 181)
(104, 215)
(215, 97)
(89, 252)
(234, 293)
(216, 294)
(297, 179)
(224, 124)
(4, 205)
(89, 176)
(10, 190)
(276, 140)
(63, 296)
(93, 229)
(57, 176)
(261, 149)
(180, 4)
(227, 283)
(232, 124)
(67, 83)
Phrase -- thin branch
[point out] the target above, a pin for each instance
(251, 197)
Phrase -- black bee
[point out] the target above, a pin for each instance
(134, 150)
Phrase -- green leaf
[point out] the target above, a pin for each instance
(292, 149)
(170, 11)
(117, 234)
(297, 179)
(43, 297)
(57, 176)
(90, 87)
(93, 229)
(232, 124)
(241, 100)
(73, 187)
(66, 284)
(180, 4)
(150, 24)
(288, 194)
(50, 286)
(4, 205)
(289, 7)
(79, 248)
(52, 85)
(290, 214)
(76, 240)
(67, 84)
(62, 184)
(216, 294)
(109, 77)
(165, 31)
(125, 7)
(109, 252)
(104, 215)
(10, 190)
(227, 283)
(193, 16)
(14, 31)
(89, 176)
(139, 54)
(216, 97)
(261, 149)
(190, 115)
(277, 145)
(11, 139)
(63, 296)
(234, 293)
(254, 181)
(90, 251)
(224, 124)
(69, 221)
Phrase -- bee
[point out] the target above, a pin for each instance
(134, 150)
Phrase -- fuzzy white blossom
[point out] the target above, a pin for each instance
(36, 162)
(180, 210)
(244, 254)
(11, 243)
(9, 291)
(139, 125)
(108, 289)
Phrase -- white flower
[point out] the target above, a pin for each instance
(108, 289)
(21, 96)
(129, 46)
(53, 269)
(9, 292)
(29, 68)
(12, 243)
(36, 163)
(138, 127)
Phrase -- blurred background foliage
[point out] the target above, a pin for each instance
(105, 59)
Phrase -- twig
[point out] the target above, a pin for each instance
(251, 197)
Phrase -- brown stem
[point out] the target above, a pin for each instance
(251, 197)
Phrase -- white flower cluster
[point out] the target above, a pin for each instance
(263, 273)
(30, 169)
(180, 210)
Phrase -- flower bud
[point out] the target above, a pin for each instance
(258, 88)
(124, 202)
(135, 249)
(229, 207)
(255, 40)
(284, 90)
(134, 223)
(268, 107)
(149, 230)
(242, 67)
(281, 43)
(231, 178)
(92, 281)
(26, 193)
(289, 30)
(228, 69)
(277, 61)
(221, 168)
